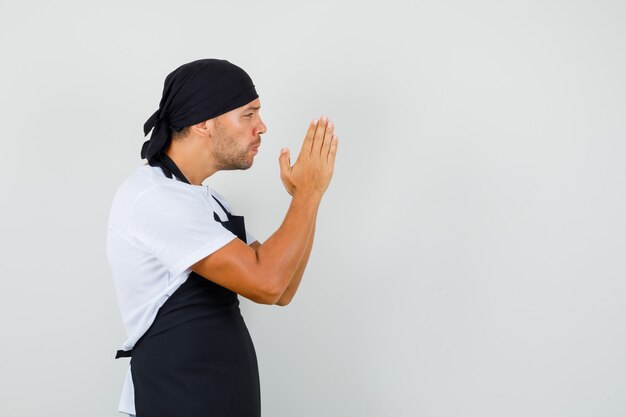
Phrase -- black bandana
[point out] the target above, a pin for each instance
(193, 93)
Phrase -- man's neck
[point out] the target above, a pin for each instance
(190, 163)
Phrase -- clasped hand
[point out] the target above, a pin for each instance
(313, 170)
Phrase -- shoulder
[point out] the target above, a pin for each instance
(169, 199)
(147, 190)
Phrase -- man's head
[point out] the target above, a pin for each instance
(228, 141)
(200, 93)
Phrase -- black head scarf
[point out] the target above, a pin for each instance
(192, 93)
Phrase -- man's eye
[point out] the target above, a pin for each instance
(249, 115)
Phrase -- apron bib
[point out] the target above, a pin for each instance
(197, 358)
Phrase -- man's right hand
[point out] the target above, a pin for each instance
(313, 170)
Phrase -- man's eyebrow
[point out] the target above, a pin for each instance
(252, 108)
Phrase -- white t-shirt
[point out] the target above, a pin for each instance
(158, 227)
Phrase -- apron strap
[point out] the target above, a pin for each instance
(168, 166)
(222, 206)
(124, 354)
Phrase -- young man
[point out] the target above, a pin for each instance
(180, 257)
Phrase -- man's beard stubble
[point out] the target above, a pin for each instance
(228, 156)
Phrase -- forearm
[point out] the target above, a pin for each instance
(281, 255)
(289, 293)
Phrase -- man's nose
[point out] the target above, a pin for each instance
(262, 128)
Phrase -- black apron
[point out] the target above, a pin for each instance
(197, 358)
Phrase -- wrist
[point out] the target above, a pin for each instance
(313, 197)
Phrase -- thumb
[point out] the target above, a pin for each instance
(284, 160)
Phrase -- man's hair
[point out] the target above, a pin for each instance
(179, 134)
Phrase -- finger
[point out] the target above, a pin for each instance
(318, 140)
(308, 139)
(332, 153)
(284, 161)
(328, 138)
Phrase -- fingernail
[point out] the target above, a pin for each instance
(330, 124)
(315, 121)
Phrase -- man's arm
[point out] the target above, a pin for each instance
(297, 277)
(294, 283)
(263, 275)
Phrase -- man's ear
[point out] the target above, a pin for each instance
(204, 128)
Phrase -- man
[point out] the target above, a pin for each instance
(180, 257)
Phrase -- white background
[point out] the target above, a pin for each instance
(470, 258)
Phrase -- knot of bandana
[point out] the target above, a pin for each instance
(194, 92)
(160, 135)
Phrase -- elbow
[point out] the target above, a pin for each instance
(265, 298)
(271, 295)
(278, 298)
(283, 302)
(269, 299)
(271, 288)
(284, 298)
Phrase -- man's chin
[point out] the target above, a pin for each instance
(239, 167)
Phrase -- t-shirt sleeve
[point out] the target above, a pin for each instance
(177, 226)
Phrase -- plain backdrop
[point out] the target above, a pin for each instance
(470, 257)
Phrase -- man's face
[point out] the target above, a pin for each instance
(237, 136)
